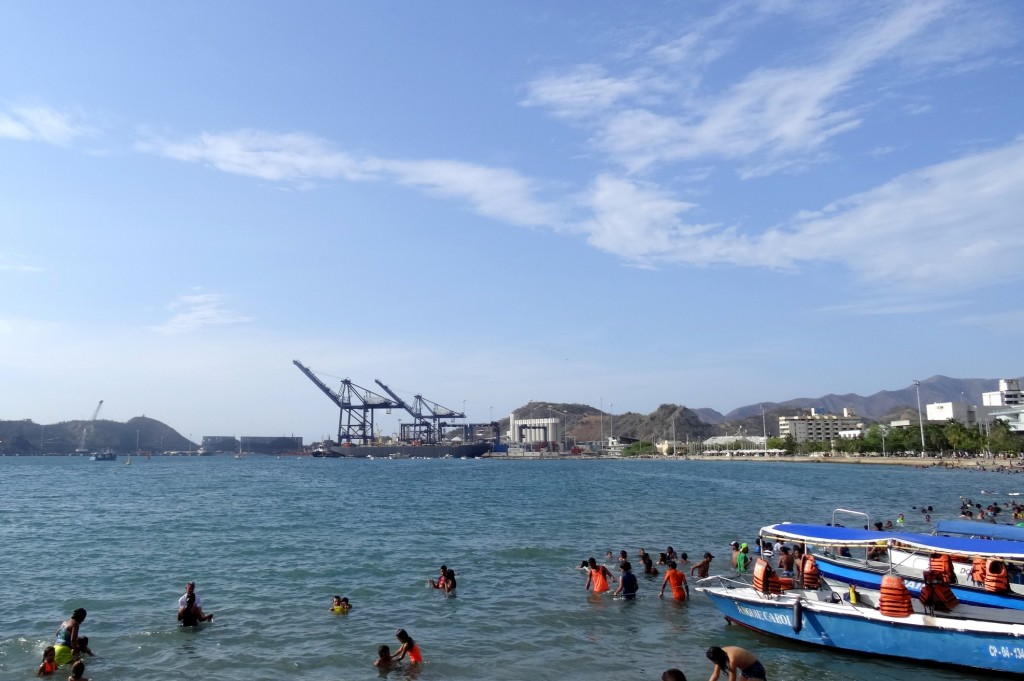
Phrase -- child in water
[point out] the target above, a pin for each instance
(383, 657)
(77, 671)
(83, 647)
(408, 647)
(49, 664)
(340, 605)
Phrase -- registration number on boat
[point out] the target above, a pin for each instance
(1006, 652)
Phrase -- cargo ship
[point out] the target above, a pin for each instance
(404, 451)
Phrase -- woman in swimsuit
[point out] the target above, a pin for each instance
(66, 644)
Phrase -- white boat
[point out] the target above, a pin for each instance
(105, 455)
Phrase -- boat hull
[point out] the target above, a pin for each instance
(468, 451)
(923, 638)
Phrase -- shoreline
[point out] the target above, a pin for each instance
(914, 462)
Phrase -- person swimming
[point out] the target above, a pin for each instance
(340, 605)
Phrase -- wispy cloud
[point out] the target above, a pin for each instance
(944, 227)
(37, 123)
(301, 159)
(198, 310)
(290, 157)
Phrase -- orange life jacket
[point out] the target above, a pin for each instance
(996, 579)
(809, 570)
(938, 596)
(895, 598)
(765, 579)
(941, 565)
(978, 570)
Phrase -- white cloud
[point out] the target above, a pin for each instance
(39, 124)
(299, 159)
(497, 193)
(293, 158)
(198, 310)
(583, 90)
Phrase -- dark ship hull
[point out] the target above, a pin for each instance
(407, 451)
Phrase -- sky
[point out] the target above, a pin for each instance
(704, 203)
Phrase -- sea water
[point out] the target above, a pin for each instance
(270, 540)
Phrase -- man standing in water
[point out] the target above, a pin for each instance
(677, 580)
(190, 588)
(599, 576)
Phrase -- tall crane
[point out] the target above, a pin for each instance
(87, 429)
(357, 405)
(427, 425)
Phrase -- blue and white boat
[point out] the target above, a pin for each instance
(908, 558)
(823, 618)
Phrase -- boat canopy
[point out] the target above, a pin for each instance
(972, 528)
(845, 536)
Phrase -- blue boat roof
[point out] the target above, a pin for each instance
(846, 536)
(973, 528)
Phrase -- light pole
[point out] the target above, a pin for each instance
(674, 435)
(611, 420)
(136, 443)
(764, 426)
(602, 420)
(883, 431)
(920, 420)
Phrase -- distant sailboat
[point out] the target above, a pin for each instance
(129, 461)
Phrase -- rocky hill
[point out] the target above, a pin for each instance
(28, 437)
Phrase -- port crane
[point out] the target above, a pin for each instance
(427, 426)
(357, 405)
(88, 428)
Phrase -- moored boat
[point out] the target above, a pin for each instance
(828, 543)
(822, 617)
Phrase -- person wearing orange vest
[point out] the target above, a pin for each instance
(677, 580)
(598, 576)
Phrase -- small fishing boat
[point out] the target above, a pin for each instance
(886, 625)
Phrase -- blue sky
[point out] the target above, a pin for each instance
(702, 203)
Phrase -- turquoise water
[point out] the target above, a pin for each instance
(269, 541)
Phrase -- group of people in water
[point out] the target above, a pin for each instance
(732, 660)
(69, 646)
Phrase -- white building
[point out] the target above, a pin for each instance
(964, 413)
(1008, 395)
(1014, 417)
(815, 427)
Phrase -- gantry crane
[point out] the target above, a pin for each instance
(87, 429)
(357, 405)
(427, 426)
